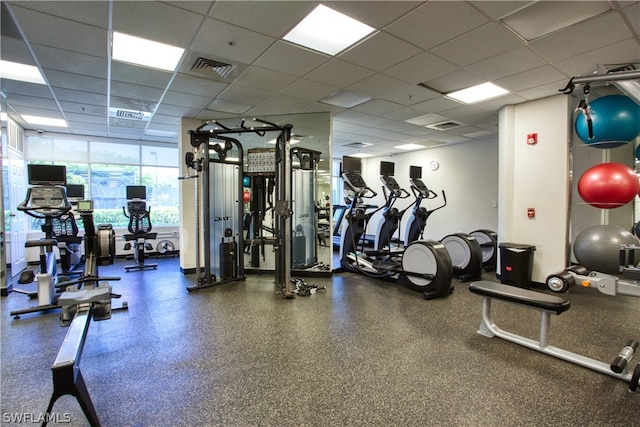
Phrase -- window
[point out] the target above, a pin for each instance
(106, 168)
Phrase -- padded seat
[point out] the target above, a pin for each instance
(517, 295)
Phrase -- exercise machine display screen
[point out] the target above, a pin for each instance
(75, 191)
(85, 206)
(415, 172)
(47, 174)
(387, 168)
(136, 192)
(351, 164)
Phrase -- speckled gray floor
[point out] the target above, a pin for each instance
(362, 353)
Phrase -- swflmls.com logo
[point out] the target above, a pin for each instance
(35, 417)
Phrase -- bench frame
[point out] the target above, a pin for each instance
(489, 329)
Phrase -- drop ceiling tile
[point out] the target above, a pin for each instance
(531, 78)
(435, 22)
(420, 68)
(498, 9)
(273, 18)
(505, 64)
(73, 62)
(454, 80)
(15, 50)
(186, 99)
(291, 59)
(95, 13)
(377, 107)
(632, 13)
(17, 87)
(483, 42)
(62, 33)
(59, 79)
(434, 105)
(376, 14)
(310, 90)
(220, 39)
(624, 52)
(380, 51)
(402, 114)
(127, 90)
(390, 89)
(78, 97)
(143, 76)
(550, 89)
(140, 19)
(244, 95)
(571, 41)
(286, 103)
(225, 106)
(262, 78)
(86, 118)
(72, 109)
(339, 73)
(196, 85)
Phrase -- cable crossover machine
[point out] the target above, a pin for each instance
(217, 159)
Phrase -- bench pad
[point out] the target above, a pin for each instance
(517, 295)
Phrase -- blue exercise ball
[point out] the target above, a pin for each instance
(615, 121)
(597, 248)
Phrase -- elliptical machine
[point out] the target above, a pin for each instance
(464, 250)
(419, 215)
(139, 226)
(422, 266)
(391, 216)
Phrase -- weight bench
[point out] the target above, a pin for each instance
(547, 305)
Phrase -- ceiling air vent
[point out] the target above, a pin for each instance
(357, 145)
(220, 68)
(445, 126)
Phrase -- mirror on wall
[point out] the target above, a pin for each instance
(311, 190)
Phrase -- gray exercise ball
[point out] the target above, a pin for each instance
(597, 248)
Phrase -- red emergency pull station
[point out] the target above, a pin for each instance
(531, 212)
(532, 138)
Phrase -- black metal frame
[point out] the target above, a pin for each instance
(282, 207)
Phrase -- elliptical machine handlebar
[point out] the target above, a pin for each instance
(45, 201)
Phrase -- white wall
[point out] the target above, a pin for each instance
(536, 176)
(468, 173)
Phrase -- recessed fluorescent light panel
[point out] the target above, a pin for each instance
(409, 147)
(328, 31)
(139, 51)
(45, 121)
(24, 73)
(477, 93)
(361, 155)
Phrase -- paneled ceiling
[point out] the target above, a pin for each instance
(420, 51)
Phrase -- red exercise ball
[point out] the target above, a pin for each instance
(608, 185)
(246, 196)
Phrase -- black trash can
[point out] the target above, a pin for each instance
(516, 264)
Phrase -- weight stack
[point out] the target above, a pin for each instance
(228, 259)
